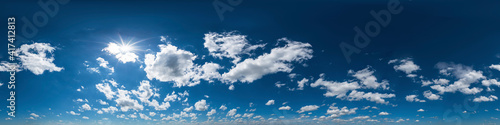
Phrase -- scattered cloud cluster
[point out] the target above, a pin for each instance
(467, 81)
(413, 98)
(124, 98)
(465, 75)
(172, 64)
(335, 112)
(364, 80)
(183, 68)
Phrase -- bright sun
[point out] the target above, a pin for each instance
(126, 48)
(115, 48)
(125, 51)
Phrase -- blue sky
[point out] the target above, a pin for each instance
(264, 62)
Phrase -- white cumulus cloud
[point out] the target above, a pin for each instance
(231, 112)
(497, 67)
(465, 75)
(173, 64)
(301, 83)
(485, 99)
(278, 60)
(284, 108)
(413, 98)
(431, 96)
(37, 58)
(223, 107)
(308, 108)
(189, 109)
(370, 96)
(383, 113)
(270, 102)
(364, 80)
(211, 112)
(201, 105)
(86, 107)
(103, 63)
(405, 65)
(145, 117)
(229, 45)
(74, 113)
(365, 76)
(335, 112)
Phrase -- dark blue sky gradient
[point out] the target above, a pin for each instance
(461, 31)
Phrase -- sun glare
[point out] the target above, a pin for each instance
(125, 51)
(115, 48)
(126, 48)
(121, 46)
